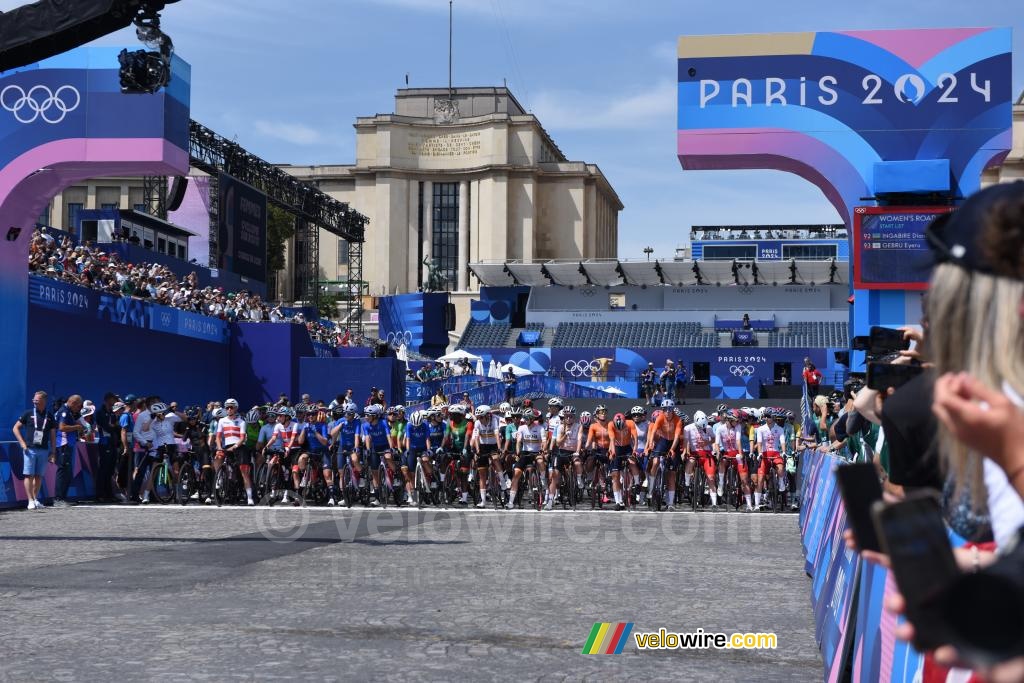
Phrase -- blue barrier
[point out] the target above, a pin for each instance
(851, 626)
(84, 465)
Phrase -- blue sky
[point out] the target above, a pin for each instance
(288, 79)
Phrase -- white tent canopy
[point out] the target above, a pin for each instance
(459, 355)
(516, 370)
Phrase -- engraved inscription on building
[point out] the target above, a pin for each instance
(444, 144)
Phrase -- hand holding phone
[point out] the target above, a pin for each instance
(914, 537)
(885, 376)
(861, 489)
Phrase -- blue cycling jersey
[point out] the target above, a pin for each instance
(417, 436)
(313, 444)
(350, 429)
(437, 432)
(378, 434)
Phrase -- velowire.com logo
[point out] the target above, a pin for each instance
(608, 638)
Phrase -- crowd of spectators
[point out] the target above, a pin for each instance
(86, 265)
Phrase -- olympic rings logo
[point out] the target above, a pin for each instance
(399, 338)
(579, 368)
(39, 101)
(742, 370)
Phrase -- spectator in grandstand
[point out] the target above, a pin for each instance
(40, 427)
(423, 374)
(439, 398)
(446, 370)
(812, 377)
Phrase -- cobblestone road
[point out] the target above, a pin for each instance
(167, 593)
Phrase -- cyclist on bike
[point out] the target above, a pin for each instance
(729, 446)
(665, 435)
(417, 437)
(230, 438)
(551, 421)
(346, 431)
(529, 450)
(303, 412)
(318, 441)
(770, 445)
(457, 440)
(507, 440)
(161, 425)
(623, 437)
(282, 442)
(699, 440)
(565, 450)
(396, 439)
(638, 416)
(486, 432)
(375, 441)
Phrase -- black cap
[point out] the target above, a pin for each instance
(955, 237)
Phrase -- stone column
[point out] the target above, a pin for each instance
(428, 225)
(463, 279)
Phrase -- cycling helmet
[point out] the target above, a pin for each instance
(416, 419)
(732, 415)
(700, 419)
(555, 402)
(481, 411)
(619, 421)
(637, 411)
(192, 412)
(681, 415)
(722, 408)
(338, 411)
(88, 410)
(372, 410)
(231, 403)
(217, 414)
(457, 409)
(393, 410)
(567, 411)
(586, 418)
(533, 414)
(505, 407)
(668, 403)
(790, 415)
(160, 409)
(289, 412)
(252, 416)
(599, 408)
(507, 415)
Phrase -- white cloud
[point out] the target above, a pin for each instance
(295, 133)
(568, 110)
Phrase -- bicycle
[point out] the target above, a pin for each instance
(626, 483)
(496, 488)
(731, 486)
(568, 487)
(424, 485)
(226, 485)
(776, 498)
(656, 491)
(189, 477)
(312, 486)
(451, 481)
(536, 488)
(164, 486)
(391, 485)
(353, 490)
(698, 482)
(597, 485)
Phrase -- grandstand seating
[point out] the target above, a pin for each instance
(812, 334)
(633, 334)
(479, 334)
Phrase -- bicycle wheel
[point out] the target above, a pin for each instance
(657, 489)
(275, 483)
(259, 481)
(567, 489)
(597, 489)
(626, 483)
(347, 484)
(696, 487)
(731, 490)
(220, 486)
(186, 483)
(163, 483)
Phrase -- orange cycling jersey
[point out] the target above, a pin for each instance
(598, 436)
(666, 429)
(624, 436)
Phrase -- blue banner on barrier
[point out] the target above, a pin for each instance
(123, 310)
(62, 297)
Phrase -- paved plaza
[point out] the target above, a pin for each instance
(171, 593)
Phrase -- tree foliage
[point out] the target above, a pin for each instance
(280, 228)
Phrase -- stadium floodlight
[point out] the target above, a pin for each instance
(146, 71)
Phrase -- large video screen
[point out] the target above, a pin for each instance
(889, 248)
(242, 239)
